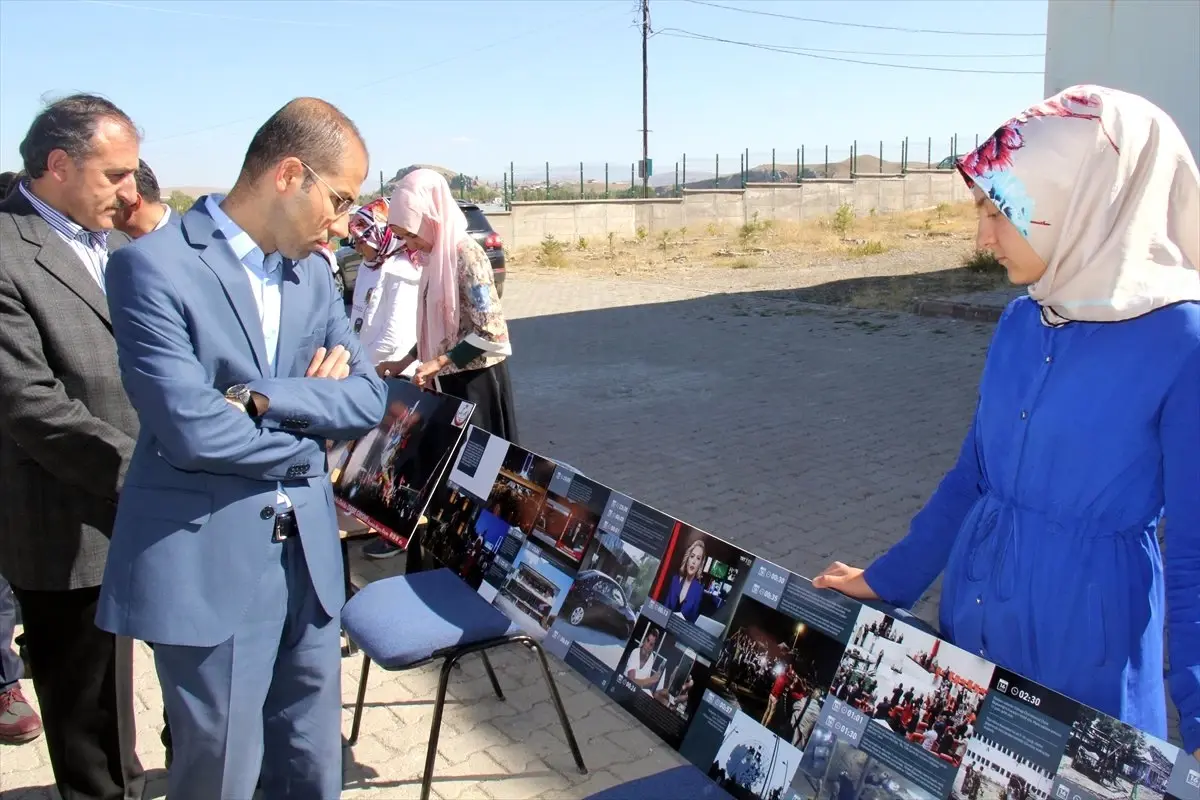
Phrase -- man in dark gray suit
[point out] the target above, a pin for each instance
(148, 212)
(67, 431)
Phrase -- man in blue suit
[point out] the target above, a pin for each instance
(237, 354)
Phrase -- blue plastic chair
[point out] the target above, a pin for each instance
(408, 621)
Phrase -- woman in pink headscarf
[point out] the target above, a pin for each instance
(462, 336)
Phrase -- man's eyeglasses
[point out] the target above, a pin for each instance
(342, 204)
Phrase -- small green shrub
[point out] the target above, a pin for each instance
(582, 244)
(983, 261)
(843, 218)
(744, 262)
(552, 252)
(748, 232)
(872, 248)
(641, 233)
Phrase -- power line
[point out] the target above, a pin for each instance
(692, 35)
(499, 42)
(808, 54)
(855, 24)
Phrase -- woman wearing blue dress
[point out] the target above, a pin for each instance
(1088, 422)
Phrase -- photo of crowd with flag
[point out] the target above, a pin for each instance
(776, 690)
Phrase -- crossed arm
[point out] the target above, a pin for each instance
(194, 426)
(340, 409)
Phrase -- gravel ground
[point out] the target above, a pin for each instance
(916, 268)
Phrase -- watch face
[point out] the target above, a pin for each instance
(239, 391)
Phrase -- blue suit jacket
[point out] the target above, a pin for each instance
(195, 517)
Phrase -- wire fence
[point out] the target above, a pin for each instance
(727, 170)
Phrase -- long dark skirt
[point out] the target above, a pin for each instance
(491, 391)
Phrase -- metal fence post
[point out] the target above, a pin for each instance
(746, 168)
(506, 190)
(881, 155)
(772, 165)
(605, 180)
(512, 182)
(632, 179)
(547, 180)
(580, 180)
(904, 157)
(826, 161)
(929, 154)
(742, 168)
(853, 158)
(685, 170)
(799, 163)
(717, 176)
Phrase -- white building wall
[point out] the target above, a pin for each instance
(1147, 47)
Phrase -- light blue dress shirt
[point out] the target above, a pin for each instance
(265, 274)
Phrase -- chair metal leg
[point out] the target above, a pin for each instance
(558, 706)
(487, 665)
(436, 727)
(351, 648)
(362, 696)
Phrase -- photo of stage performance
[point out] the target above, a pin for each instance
(663, 671)
(992, 772)
(391, 470)
(466, 542)
(775, 669)
(533, 592)
(702, 580)
(918, 686)
(602, 607)
(1112, 761)
(753, 763)
(520, 487)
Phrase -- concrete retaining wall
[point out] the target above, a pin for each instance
(529, 223)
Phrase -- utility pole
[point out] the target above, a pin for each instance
(645, 100)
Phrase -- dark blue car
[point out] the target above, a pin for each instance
(598, 601)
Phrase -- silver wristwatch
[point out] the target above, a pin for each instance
(240, 393)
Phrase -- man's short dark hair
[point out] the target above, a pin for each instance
(309, 129)
(147, 184)
(7, 181)
(69, 125)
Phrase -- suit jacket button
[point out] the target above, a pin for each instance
(267, 512)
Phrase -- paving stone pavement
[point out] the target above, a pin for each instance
(802, 433)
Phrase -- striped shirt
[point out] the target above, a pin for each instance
(90, 246)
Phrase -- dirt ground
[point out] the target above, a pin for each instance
(885, 262)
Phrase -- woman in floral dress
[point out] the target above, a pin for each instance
(1088, 422)
(462, 336)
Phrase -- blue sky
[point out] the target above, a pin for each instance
(476, 85)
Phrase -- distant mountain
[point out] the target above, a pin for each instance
(457, 180)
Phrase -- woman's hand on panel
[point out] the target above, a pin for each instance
(845, 579)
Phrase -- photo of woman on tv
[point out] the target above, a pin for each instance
(686, 587)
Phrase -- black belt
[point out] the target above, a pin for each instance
(285, 527)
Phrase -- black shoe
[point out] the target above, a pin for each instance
(165, 736)
(381, 548)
